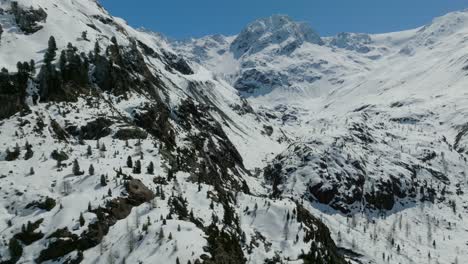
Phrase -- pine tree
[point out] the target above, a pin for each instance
(103, 180)
(29, 153)
(84, 35)
(32, 67)
(129, 162)
(89, 151)
(114, 40)
(76, 168)
(103, 147)
(89, 207)
(109, 192)
(150, 168)
(82, 220)
(31, 171)
(137, 167)
(177, 260)
(51, 51)
(91, 169)
(97, 48)
(161, 234)
(170, 236)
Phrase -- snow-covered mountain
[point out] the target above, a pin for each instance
(276, 145)
(375, 126)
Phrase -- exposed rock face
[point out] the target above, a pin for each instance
(254, 80)
(324, 251)
(138, 193)
(28, 19)
(178, 63)
(96, 129)
(117, 209)
(130, 133)
(331, 174)
(219, 158)
(47, 204)
(273, 30)
(352, 41)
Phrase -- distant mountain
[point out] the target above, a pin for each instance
(376, 126)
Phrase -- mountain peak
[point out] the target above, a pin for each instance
(277, 29)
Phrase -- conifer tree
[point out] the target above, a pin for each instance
(51, 51)
(103, 180)
(29, 153)
(129, 162)
(32, 67)
(91, 169)
(82, 220)
(97, 48)
(150, 168)
(137, 167)
(76, 168)
(89, 151)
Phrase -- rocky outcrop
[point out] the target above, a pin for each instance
(96, 129)
(253, 80)
(218, 158)
(46, 204)
(352, 41)
(276, 29)
(64, 242)
(27, 19)
(130, 133)
(323, 248)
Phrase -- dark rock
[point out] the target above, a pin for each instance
(96, 129)
(27, 19)
(59, 156)
(48, 204)
(177, 63)
(323, 194)
(155, 120)
(59, 132)
(130, 133)
(318, 233)
(138, 193)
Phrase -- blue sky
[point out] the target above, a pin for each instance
(195, 18)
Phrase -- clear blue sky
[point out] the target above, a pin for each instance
(187, 18)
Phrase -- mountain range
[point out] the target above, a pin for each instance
(276, 145)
